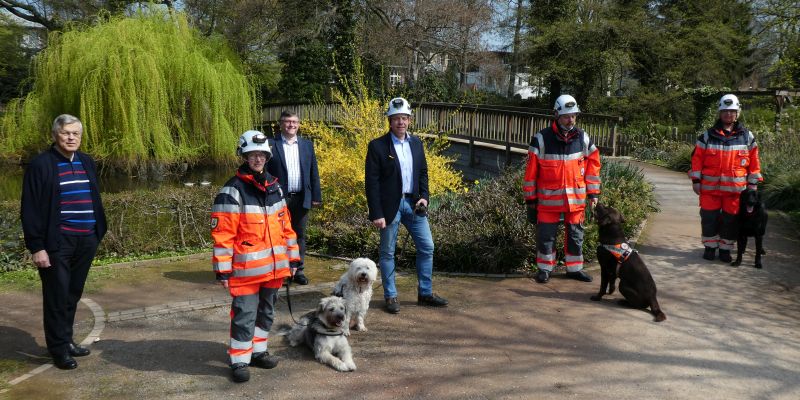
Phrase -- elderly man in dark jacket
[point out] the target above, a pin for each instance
(63, 222)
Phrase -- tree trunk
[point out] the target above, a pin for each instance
(512, 76)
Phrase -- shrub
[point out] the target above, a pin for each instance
(484, 229)
(139, 223)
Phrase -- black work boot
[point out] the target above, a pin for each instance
(725, 256)
(709, 253)
(240, 373)
(264, 360)
(542, 276)
(579, 275)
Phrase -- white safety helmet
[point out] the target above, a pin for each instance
(729, 102)
(398, 105)
(253, 141)
(566, 104)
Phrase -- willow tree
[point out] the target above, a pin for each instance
(147, 88)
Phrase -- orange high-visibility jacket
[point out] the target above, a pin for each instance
(724, 163)
(561, 174)
(253, 237)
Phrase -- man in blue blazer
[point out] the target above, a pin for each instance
(294, 163)
(396, 181)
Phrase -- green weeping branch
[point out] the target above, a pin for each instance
(149, 89)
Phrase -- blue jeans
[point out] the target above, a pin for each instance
(421, 234)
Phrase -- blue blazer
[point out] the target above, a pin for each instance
(383, 180)
(309, 173)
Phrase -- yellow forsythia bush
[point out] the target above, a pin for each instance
(342, 151)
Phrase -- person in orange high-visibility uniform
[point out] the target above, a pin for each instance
(562, 175)
(724, 163)
(253, 246)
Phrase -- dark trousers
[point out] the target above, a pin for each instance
(62, 287)
(299, 216)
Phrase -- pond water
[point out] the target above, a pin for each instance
(11, 180)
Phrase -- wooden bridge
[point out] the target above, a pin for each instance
(504, 127)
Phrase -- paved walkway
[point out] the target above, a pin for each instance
(730, 334)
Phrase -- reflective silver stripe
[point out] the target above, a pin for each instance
(252, 256)
(573, 258)
(551, 202)
(225, 208)
(563, 157)
(540, 139)
(592, 149)
(276, 207)
(545, 267)
(260, 340)
(243, 273)
(700, 144)
(222, 266)
(577, 201)
(548, 192)
(291, 242)
(694, 174)
(223, 251)
(528, 194)
(280, 249)
(727, 148)
(253, 209)
(546, 257)
(732, 189)
(283, 264)
(260, 333)
(232, 192)
(592, 178)
(235, 344)
(710, 178)
(754, 178)
(753, 145)
(244, 358)
(533, 150)
(294, 254)
(259, 347)
(593, 187)
(528, 183)
(732, 178)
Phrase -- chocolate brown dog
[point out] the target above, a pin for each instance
(618, 260)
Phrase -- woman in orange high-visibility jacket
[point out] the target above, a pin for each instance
(724, 163)
(253, 246)
(562, 173)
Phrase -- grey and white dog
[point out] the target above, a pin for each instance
(355, 286)
(321, 330)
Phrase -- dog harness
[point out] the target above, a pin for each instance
(320, 328)
(621, 251)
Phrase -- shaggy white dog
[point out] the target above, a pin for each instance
(355, 286)
(321, 330)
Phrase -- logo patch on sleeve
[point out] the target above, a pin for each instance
(214, 222)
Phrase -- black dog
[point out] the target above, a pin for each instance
(751, 221)
(618, 260)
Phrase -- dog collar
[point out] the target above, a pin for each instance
(620, 251)
(320, 329)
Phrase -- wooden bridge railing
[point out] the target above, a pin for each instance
(511, 127)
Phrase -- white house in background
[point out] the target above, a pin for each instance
(491, 74)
